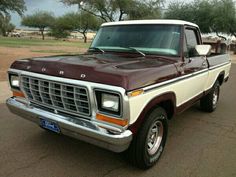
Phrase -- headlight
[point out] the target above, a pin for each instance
(109, 103)
(14, 81)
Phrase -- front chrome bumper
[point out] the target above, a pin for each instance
(78, 128)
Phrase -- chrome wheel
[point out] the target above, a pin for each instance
(154, 137)
(209, 102)
(148, 145)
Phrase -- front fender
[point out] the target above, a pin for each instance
(157, 101)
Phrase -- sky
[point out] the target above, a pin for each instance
(54, 6)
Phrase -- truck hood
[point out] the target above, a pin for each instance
(124, 70)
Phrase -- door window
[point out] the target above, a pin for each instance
(190, 43)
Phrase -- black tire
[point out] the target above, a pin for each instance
(140, 153)
(209, 102)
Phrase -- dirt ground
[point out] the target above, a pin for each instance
(8, 55)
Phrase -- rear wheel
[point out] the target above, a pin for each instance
(209, 102)
(148, 145)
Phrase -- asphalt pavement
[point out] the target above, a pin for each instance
(199, 145)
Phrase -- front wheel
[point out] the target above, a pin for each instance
(148, 145)
(209, 102)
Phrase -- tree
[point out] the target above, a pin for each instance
(211, 15)
(7, 6)
(10, 28)
(5, 26)
(75, 22)
(40, 19)
(117, 10)
(181, 11)
(225, 17)
(63, 25)
(138, 11)
(87, 22)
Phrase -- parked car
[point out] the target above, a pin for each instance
(15, 34)
(120, 94)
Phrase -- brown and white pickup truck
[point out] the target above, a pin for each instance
(120, 94)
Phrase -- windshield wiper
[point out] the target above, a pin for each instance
(96, 48)
(136, 50)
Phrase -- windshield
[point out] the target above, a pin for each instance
(149, 39)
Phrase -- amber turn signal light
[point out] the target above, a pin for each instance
(121, 122)
(18, 94)
(136, 93)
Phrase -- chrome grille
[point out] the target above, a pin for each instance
(61, 96)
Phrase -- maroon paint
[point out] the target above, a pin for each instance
(129, 71)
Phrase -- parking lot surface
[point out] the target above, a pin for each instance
(199, 145)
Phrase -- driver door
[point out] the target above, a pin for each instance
(195, 66)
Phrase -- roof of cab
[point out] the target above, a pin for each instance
(162, 21)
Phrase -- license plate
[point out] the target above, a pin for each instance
(49, 125)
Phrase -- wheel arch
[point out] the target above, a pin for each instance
(167, 101)
(221, 77)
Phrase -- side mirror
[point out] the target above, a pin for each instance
(203, 50)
